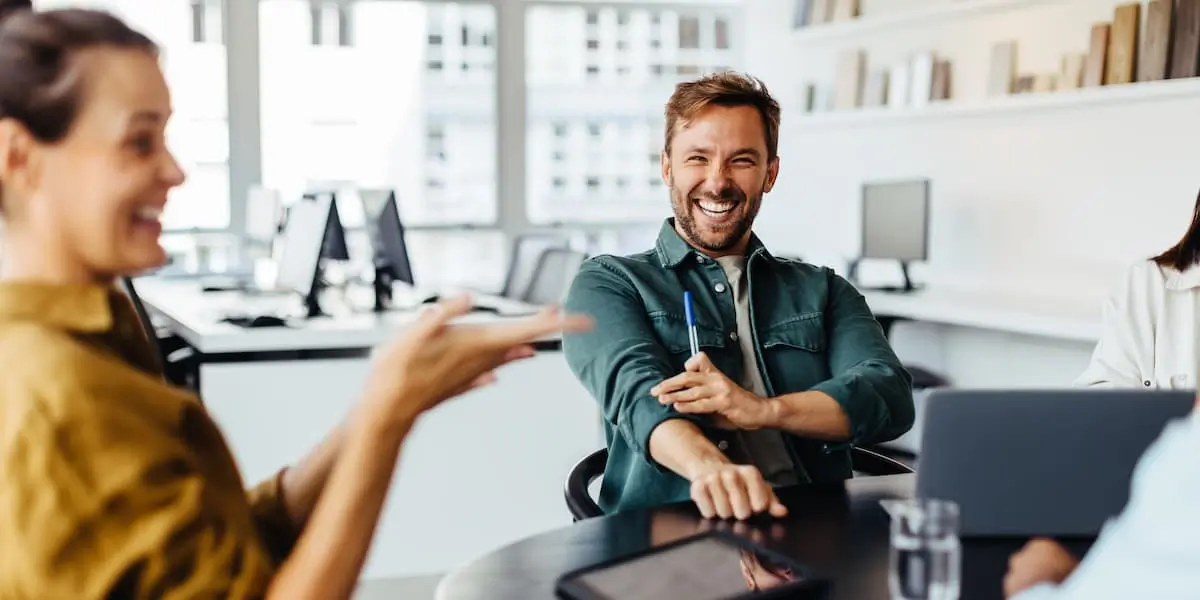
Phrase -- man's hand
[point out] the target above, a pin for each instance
(1040, 561)
(737, 491)
(703, 389)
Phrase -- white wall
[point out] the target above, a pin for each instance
(1044, 201)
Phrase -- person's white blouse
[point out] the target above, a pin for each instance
(1152, 550)
(1151, 332)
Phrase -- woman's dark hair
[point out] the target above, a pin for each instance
(40, 83)
(1186, 252)
(8, 7)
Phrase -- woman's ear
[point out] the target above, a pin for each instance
(14, 148)
(18, 150)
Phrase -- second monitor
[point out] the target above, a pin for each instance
(388, 244)
(895, 225)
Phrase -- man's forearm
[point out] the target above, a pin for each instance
(808, 414)
(679, 445)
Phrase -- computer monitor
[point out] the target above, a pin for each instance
(304, 241)
(387, 232)
(263, 207)
(335, 237)
(895, 223)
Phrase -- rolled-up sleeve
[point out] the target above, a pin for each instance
(108, 504)
(275, 526)
(620, 359)
(868, 380)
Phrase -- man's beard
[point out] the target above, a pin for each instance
(728, 235)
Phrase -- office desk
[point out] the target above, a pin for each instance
(840, 531)
(277, 392)
(1064, 318)
(196, 316)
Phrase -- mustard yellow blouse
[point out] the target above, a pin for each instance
(114, 484)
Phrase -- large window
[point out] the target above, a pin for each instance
(190, 35)
(597, 79)
(383, 93)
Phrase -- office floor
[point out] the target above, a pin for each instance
(399, 588)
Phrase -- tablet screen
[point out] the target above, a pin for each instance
(708, 568)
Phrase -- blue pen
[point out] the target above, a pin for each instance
(690, 314)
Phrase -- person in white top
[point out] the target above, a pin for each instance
(1151, 330)
(1152, 550)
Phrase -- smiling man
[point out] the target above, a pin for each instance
(792, 367)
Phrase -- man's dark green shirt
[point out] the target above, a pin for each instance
(812, 328)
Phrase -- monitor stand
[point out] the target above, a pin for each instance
(383, 287)
(907, 288)
(312, 303)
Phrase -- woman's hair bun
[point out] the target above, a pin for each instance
(9, 7)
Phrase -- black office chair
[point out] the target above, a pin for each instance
(177, 361)
(582, 506)
(523, 262)
(556, 269)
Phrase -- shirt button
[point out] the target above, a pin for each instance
(733, 336)
(720, 287)
(1146, 383)
(723, 445)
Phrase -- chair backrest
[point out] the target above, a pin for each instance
(125, 284)
(526, 252)
(555, 270)
(578, 496)
(579, 480)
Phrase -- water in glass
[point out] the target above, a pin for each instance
(925, 555)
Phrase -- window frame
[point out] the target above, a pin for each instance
(240, 34)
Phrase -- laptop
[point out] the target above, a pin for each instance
(1028, 462)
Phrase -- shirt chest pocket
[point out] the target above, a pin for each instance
(795, 352)
(672, 333)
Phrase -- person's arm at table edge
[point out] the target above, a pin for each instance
(869, 397)
(619, 361)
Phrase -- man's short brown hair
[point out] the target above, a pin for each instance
(723, 89)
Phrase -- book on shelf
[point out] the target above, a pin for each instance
(1122, 45)
(848, 91)
(800, 13)
(1044, 83)
(820, 11)
(899, 83)
(1070, 76)
(921, 91)
(845, 10)
(941, 80)
(1097, 57)
(1185, 48)
(1154, 62)
(1002, 68)
(875, 93)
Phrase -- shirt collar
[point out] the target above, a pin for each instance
(1185, 280)
(673, 249)
(75, 308)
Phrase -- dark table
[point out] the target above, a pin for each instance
(839, 530)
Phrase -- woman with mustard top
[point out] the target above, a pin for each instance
(112, 483)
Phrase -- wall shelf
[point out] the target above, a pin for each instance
(951, 9)
(1149, 91)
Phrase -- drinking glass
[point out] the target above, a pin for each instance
(925, 559)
